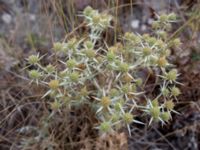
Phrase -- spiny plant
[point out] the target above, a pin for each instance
(106, 77)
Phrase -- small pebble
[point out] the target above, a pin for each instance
(143, 28)
(135, 24)
(150, 20)
(32, 17)
(6, 18)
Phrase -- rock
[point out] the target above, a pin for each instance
(135, 23)
(6, 61)
(6, 18)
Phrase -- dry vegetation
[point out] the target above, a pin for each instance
(24, 115)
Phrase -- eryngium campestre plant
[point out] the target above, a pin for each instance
(108, 77)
